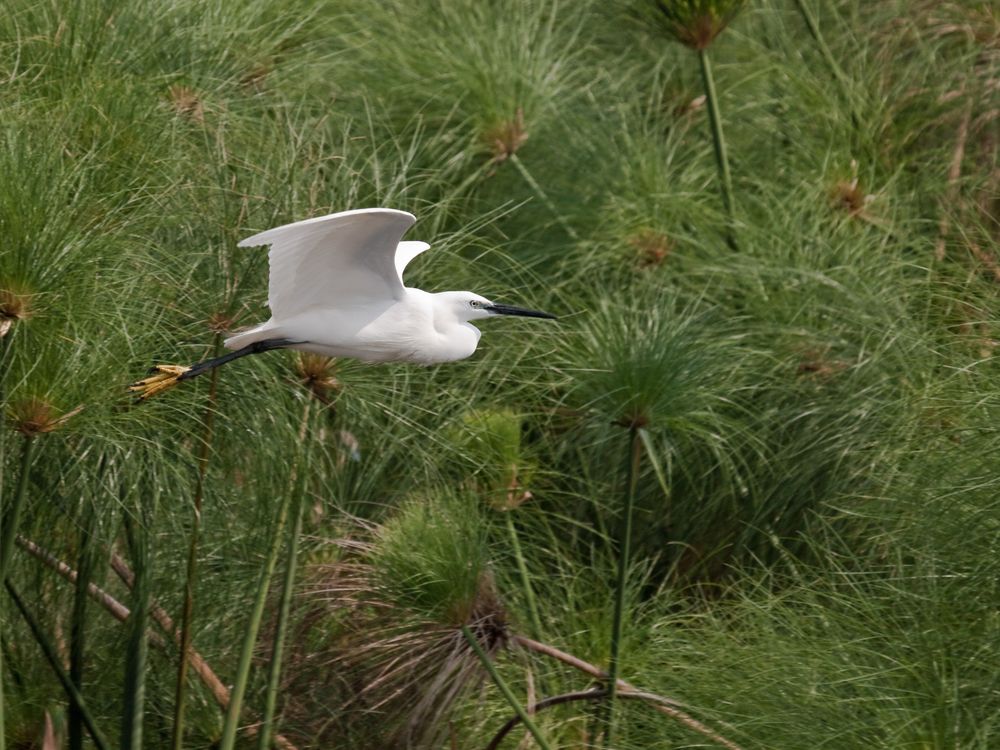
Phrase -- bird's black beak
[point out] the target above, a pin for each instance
(523, 312)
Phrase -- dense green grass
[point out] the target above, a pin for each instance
(814, 554)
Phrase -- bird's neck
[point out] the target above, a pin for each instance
(457, 339)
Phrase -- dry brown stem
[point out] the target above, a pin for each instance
(118, 610)
(664, 705)
(988, 259)
(954, 173)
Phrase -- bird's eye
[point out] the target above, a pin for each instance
(475, 303)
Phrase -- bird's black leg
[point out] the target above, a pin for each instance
(256, 347)
(163, 377)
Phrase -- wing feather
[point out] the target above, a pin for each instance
(405, 252)
(341, 260)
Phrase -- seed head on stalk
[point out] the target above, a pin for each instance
(661, 375)
(318, 374)
(694, 23)
(15, 306)
(651, 248)
(35, 416)
(505, 137)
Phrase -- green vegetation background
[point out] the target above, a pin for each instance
(815, 554)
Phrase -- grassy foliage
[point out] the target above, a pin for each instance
(813, 552)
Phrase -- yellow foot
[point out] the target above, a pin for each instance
(163, 378)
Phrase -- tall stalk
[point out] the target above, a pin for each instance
(718, 139)
(187, 613)
(543, 196)
(52, 656)
(4, 350)
(78, 626)
(3, 700)
(8, 530)
(529, 592)
(625, 552)
(3, 441)
(13, 518)
(504, 688)
(813, 25)
(278, 651)
(136, 649)
(228, 740)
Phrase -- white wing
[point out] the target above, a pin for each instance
(341, 260)
(405, 252)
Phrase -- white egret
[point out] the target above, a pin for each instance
(336, 288)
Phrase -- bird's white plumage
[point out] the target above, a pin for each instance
(346, 258)
(405, 252)
(336, 288)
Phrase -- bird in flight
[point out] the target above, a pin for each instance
(336, 288)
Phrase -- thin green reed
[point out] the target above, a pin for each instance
(624, 554)
(718, 137)
(187, 613)
(86, 560)
(8, 532)
(6, 330)
(137, 643)
(228, 741)
(543, 196)
(288, 586)
(696, 24)
(504, 688)
(522, 568)
(4, 346)
(835, 69)
(55, 662)
(813, 25)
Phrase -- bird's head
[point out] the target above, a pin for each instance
(468, 306)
